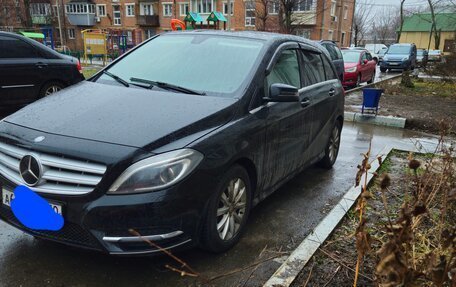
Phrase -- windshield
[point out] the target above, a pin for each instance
(350, 56)
(420, 52)
(204, 63)
(399, 50)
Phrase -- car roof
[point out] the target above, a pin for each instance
(265, 36)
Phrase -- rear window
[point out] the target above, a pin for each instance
(13, 48)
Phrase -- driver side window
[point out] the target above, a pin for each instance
(286, 70)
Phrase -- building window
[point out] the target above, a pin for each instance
(129, 37)
(345, 12)
(130, 10)
(250, 14)
(149, 33)
(330, 34)
(71, 34)
(80, 8)
(342, 39)
(167, 9)
(273, 7)
(116, 15)
(333, 8)
(146, 9)
(184, 9)
(101, 10)
(225, 8)
(305, 33)
(302, 6)
(40, 9)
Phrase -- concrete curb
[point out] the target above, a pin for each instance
(388, 121)
(290, 269)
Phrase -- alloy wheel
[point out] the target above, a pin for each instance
(231, 209)
(51, 90)
(334, 143)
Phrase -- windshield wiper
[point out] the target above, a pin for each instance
(167, 86)
(117, 78)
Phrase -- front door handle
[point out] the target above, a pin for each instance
(332, 92)
(305, 102)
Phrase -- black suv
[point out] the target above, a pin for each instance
(178, 139)
(29, 70)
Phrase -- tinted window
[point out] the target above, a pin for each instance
(332, 51)
(369, 56)
(364, 57)
(286, 70)
(328, 69)
(15, 48)
(313, 70)
(213, 64)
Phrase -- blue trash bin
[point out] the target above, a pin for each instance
(371, 97)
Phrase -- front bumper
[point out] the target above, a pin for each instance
(350, 79)
(395, 64)
(169, 218)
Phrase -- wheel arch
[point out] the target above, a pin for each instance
(65, 84)
(250, 167)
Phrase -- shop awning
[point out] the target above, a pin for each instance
(193, 17)
(216, 16)
(32, 35)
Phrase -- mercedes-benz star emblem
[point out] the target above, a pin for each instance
(30, 169)
(39, 139)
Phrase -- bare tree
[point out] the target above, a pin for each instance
(262, 13)
(401, 20)
(434, 29)
(387, 21)
(363, 12)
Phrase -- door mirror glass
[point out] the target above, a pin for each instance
(282, 93)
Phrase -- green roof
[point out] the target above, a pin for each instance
(216, 16)
(193, 17)
(422, 22)
(32, 35)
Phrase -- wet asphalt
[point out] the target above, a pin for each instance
(279, 223)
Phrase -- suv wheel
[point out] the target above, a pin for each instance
(383, 70)
(228, 211)
(332, 148)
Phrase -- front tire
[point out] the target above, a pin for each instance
(383, 70)
(228, 211)
(332, 148)
(372, 79)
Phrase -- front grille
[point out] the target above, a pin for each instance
(60, 175)
(70, 233)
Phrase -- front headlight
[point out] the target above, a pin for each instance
(350, 70)
(405, 58)
(385, 58)
(156, 172)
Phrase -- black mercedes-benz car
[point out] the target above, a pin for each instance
(177, 140)
(30, 71)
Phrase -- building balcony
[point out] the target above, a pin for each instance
(81, 19)
(41, 19)
(148, 20)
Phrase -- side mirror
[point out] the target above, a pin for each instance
(282, 93)
(365, 61)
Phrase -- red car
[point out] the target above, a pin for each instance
(359, 67)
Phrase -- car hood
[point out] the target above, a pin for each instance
(133, 117)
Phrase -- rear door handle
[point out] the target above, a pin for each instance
(332, 92)
(305, 102)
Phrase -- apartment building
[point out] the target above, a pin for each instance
(129, 22)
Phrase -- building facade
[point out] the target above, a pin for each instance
(129, 22)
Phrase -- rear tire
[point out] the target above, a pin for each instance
(227, 211)
(50, 88)
(358, 81)
(332, 148)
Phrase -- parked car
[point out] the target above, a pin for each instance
(435, 56)
(375, 48)
(336, 57)
(359, 67)
(421, 57)
(157, 143)
(399, 56)
(373, 55)
(381, 54)
(30, 71)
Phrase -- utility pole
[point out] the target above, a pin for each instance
(228, 24)
(60, 24)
